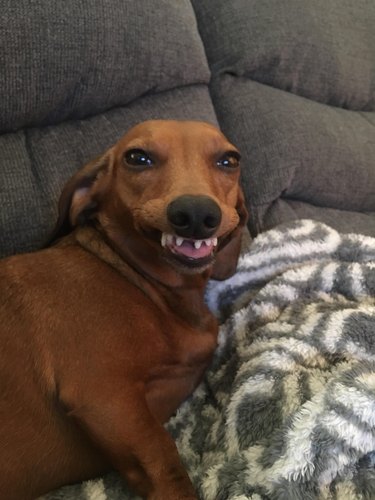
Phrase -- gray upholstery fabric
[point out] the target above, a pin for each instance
(344, 220)
(320, 50)
(293, 86)
(71, 60)
(297, 149)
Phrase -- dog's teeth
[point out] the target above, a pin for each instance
(170, 240)
(166, 239)
(211, 242)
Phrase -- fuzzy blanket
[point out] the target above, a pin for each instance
(287, 409)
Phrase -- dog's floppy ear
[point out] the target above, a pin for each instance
(78, 203)
(226, 259)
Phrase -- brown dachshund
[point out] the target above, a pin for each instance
(105, 333)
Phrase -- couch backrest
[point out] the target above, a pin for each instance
(293, 84)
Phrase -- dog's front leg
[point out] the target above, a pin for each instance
(136, 443)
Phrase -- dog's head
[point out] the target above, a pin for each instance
(167, 192)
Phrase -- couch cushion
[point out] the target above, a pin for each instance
(76, 78)
(73, 59)
(294, 86)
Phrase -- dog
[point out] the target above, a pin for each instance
(105, 332)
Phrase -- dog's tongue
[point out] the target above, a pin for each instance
(188, 249)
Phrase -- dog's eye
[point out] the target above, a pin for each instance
(230, 160)
(138, 158)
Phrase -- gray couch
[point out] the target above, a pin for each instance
(291, 83)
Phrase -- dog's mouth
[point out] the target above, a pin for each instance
(188, 251)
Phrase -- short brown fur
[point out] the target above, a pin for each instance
(101, 335)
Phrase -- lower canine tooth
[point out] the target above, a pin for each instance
(214, 242)
(198, 244)
(179, 241)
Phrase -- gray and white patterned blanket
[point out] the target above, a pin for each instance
(287, 409)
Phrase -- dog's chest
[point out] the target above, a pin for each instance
(174, 379)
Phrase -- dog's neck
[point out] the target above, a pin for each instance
(182, 294)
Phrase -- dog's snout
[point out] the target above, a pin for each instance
(195, 217)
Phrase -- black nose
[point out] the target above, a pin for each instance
(195, 217)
